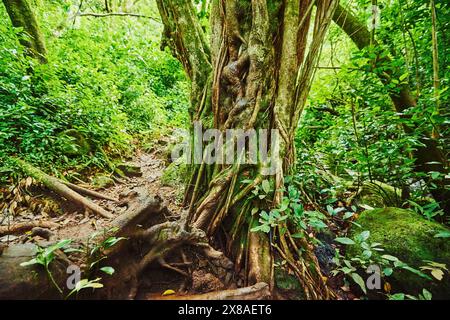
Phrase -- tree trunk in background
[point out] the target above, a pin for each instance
(429, 156)
(22, 16)
(255, 74)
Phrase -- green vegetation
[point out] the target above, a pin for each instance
(358, 94)
(412, 239)
(106, 84)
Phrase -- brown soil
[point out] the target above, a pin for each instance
(77, 224)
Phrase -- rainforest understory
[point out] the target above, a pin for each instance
(350, 202)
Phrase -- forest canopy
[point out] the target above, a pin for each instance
(314, 138)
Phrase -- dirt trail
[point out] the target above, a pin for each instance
(73, 222)
(152, 169)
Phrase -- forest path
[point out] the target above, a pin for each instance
(151, 168)
(65, 220)
(68, 221)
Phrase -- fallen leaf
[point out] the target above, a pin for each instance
(168, 292)
(437, 273)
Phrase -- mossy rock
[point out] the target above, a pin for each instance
(288, 284)
(128, 170)
(78, 144)
(409, 237)
(29, 282)
(102, 181)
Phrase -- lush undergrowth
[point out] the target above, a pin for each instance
(106, 88)
(109, 88)
(351, 129)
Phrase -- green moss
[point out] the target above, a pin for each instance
(378, 194)
(76, 145)
(175, 174)
(102, 181)
(409, 237)
(288, 284)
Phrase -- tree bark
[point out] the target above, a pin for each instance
(429, 156)
(255, 74)
(22, 16)
(62, 189)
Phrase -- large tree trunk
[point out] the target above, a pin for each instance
(429, 157)
(22, 16)
(255, 74)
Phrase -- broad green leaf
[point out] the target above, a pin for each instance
(344, 240)
(404, 76)
(438, 274)
(107, 270)
(389, 257)
(367, 254)
(397, 296)
(29, 263)
(364, 235)
(298, 235)
(359, 281)
(61, 244)
(442, 234)
(387, 271)
(348, 215)
(415, 271)
(427, 294)
(265, 186)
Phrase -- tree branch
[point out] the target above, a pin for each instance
(120, 14)
(185, 37)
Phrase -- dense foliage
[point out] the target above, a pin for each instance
(351, 127)
(106, 83)
(112, 84)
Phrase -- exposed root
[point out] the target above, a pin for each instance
(22, 227)
(148, 245)
(166, 265)
(260, 262)
(88, 192)
(258, 291)
(62, 189)
(252, 251)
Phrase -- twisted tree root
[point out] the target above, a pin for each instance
(62, 189)
(88, 192)
(258, 291)
(26, 226)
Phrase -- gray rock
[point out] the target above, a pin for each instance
(20, 250)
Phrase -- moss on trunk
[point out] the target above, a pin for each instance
(22, 16)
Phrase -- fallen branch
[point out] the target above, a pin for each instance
(258, 291)
(21, 227)
(88, 192)
(60, 188)
(120, 14)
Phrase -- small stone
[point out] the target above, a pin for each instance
(20, 250)
(42, 232)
